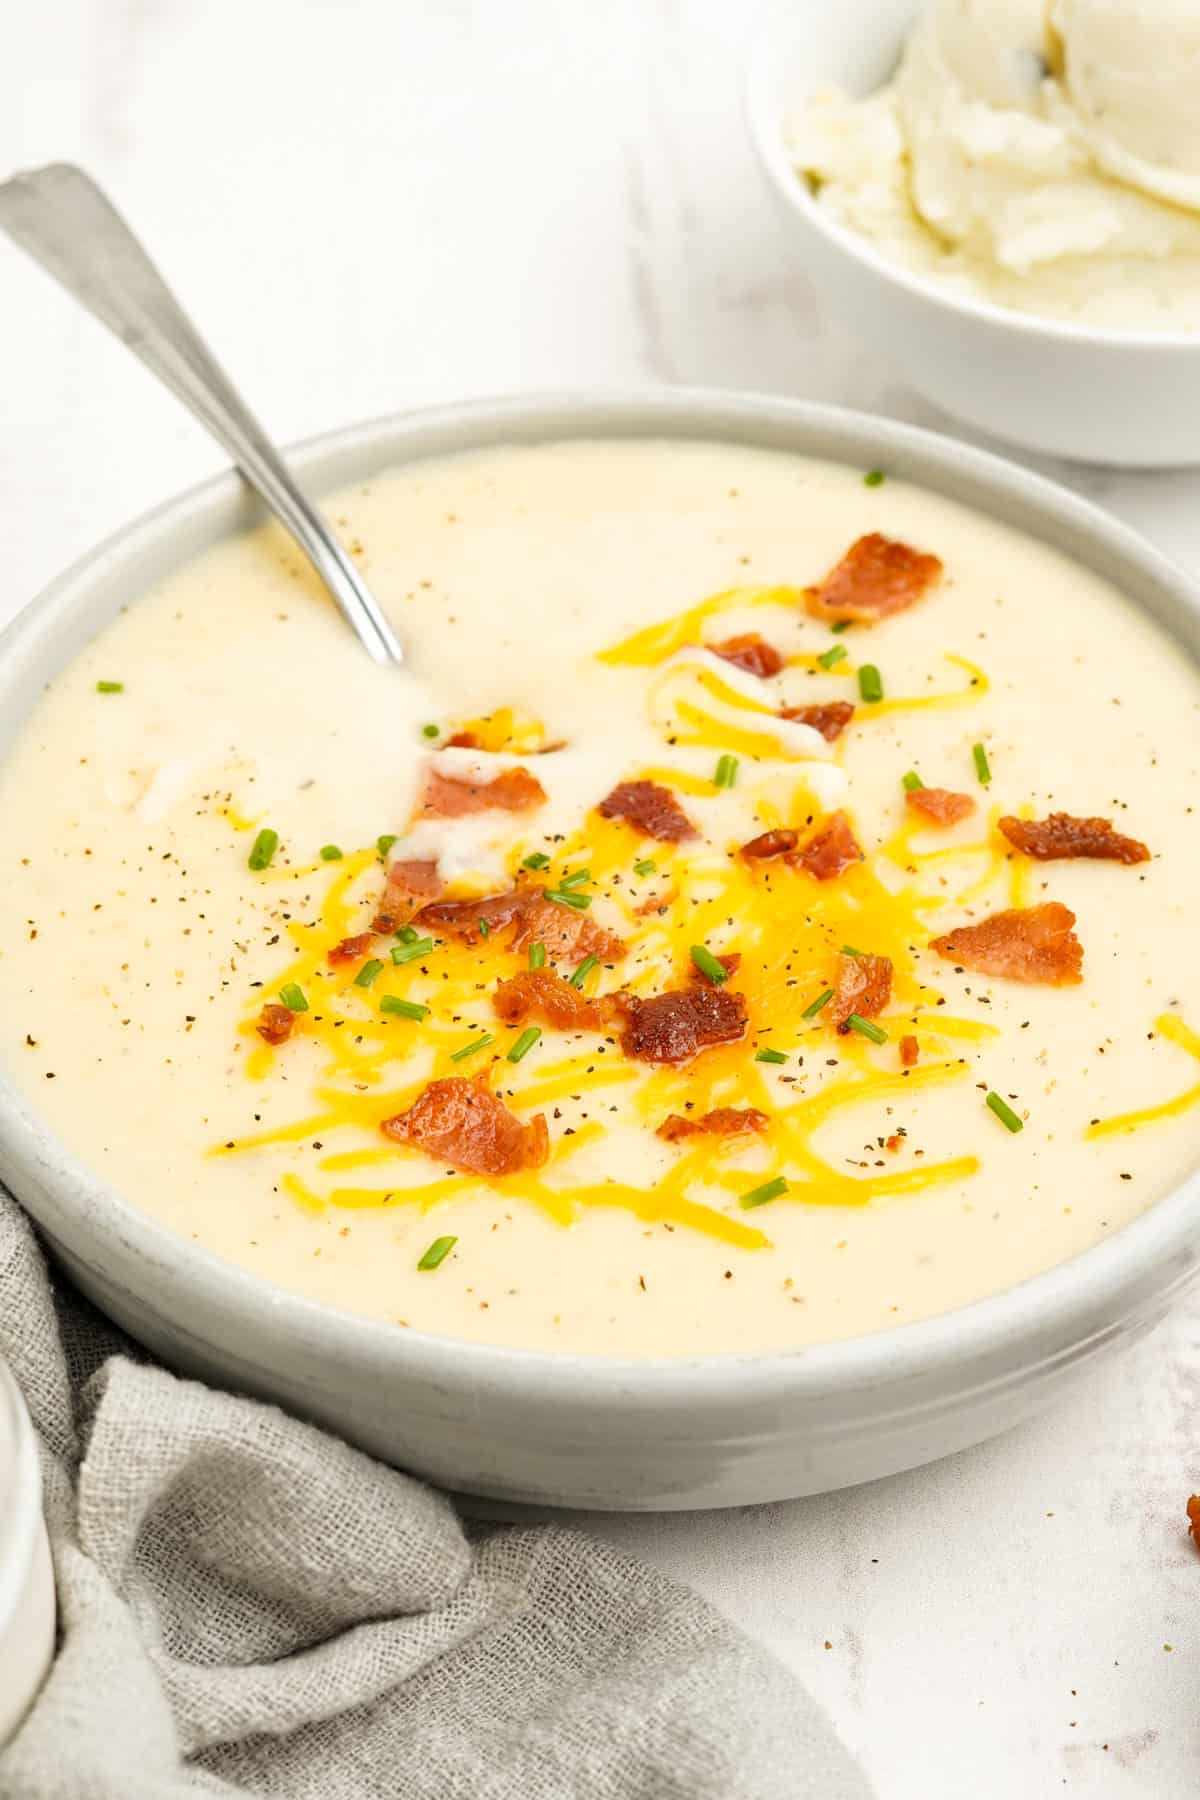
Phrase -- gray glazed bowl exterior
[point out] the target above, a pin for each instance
(524, 1426)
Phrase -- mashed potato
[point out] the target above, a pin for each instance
(1046, 159)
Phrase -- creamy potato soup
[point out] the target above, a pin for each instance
(761, 911)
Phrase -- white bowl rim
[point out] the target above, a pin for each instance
(1070, 1296)
(766, 131)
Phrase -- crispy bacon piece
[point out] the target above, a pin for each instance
(650, 809)
(513, 790)
(726, 1121)
(541, 994)
(893, 1142)
(910, 1050)
(730, 964)
(751, 652)
(275, 1023)
(863, 985)
(462, 1123)
(830, 718)
(675, 1026)
(351, 949)
(1193, 1513)
(876, 577)
(463, 740)
(410, 885)
(833, 850)
(770, 843)
(1031, 943)
(1063, 835)
(942, 806)
(565, 932)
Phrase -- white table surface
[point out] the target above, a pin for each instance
(372, 205)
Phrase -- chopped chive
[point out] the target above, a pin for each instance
(469, 1048)
(647, 866)
(110, 687)
(580, 902)
(583, 971)
(829, 659)
(431, 731)
(576, 878)
(1005, 1113)
(726, 775)
(849, 950)
(293, 997)
(821, 1001)
(383, 844)
(537, 956)
(870, 683)
(911, 782)
(770, 1056)
(874, 478)
(866, 1029)
(329, 853)
(437, 1252)
(982, 767)
(709, 965)
(525, 1043)
(536, 860)
(263, 848)
(842, 625)
(770, 1190)
(405, 1009)
(485, 929)
(369, 973)
(406, 953)
(408, 935)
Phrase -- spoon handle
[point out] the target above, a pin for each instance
(65, 223)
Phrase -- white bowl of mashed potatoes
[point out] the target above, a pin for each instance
(720, 1024)
(1002, 197)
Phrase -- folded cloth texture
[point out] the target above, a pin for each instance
(249, 1606)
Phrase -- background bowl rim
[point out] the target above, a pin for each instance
(766, 128)
(1071, 1302)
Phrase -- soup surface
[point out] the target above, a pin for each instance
(458, 1050)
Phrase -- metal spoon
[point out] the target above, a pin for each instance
(65, 223)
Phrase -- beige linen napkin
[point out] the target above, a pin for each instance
(249, 1606)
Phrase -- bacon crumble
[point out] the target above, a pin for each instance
(1063, 835)
(650, 809)
(750, 652)
(832, 851)
(452, 797)
(1032, 943)
(275, 1023)
(461, 1122)
(863, 985)
(532, 920)
(725, 1121)
(1193, 1513)
(941, 806)
(910, 1050)
(542, 994)
(877, 576)
(351, 949)
(410, 885)
(676, 1026)
(830, 718)
(770, 843)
